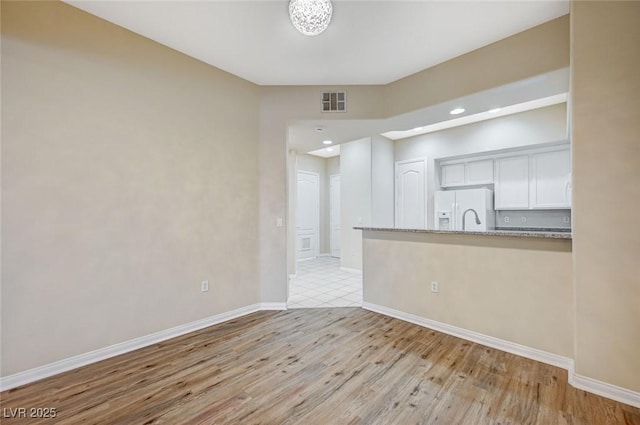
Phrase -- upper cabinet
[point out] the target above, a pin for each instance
(539, 181)
(467, 173)
(479, 172)
(524, 179)
(453, 174)
(512, 183)
(551, 180)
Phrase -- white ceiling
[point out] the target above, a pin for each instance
(368, 42)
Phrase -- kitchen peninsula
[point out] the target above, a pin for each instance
(518, 233)
(511, 290)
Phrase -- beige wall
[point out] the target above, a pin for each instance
(518, 290)
(533, 52)
(129, 174)
(605, 64)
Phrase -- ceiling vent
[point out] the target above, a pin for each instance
(334, 101)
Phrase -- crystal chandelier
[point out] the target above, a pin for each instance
(310, 17)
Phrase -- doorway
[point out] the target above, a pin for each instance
(307, 215)
(334, 215)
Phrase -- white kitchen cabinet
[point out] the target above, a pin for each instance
(467, 173)
(551, 180)
(512, 183)
(453, 174)
(479, 172)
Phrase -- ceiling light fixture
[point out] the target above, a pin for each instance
(329, 149)
(310, 17)
(494, 110)
(457, 111)
(327, 142)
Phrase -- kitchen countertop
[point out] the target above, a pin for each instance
(526, 233)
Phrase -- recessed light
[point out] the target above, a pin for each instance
(329, 149)
(493, 111)
(457, 111)
(327, 142)
(417, 129)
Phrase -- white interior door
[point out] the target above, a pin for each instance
(308, 215)
(411, 199)
(334, 215)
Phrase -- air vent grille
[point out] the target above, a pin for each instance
(334, 101)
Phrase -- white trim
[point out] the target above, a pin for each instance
(500, 344)
(603, 389)
(41, 372)
(273, 306)
(350, 270)
(332, 241)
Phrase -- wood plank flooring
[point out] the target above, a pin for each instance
(315, 366)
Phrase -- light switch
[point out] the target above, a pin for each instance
(279, 222)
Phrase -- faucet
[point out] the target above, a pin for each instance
(465, 213)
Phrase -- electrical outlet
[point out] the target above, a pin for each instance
(204, 286)
(506, 219)
(434, 287)
(523, 219)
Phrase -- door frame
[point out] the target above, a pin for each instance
(396, 216)
(331, 241)
(317, 246)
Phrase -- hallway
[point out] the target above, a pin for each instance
(320, 283)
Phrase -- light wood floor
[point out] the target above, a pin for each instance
(320, 366)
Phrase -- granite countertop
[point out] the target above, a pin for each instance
(518, 233)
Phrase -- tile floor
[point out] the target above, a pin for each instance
(320, 283)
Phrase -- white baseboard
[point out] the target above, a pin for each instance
(41, 372)
(350, 270)
(500, 344)
(613, 392)
(594, 386)
(273, 306)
